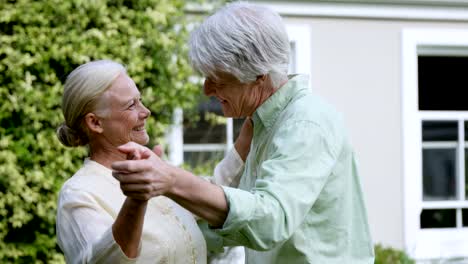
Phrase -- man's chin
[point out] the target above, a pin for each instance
(230, 114)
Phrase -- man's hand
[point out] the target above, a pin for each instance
(145, 175)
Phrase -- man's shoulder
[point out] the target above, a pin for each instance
(309, 107)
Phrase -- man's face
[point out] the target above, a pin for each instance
(237, 99)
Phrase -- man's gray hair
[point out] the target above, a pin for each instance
(244, 40)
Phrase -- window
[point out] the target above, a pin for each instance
(435, 143)
(203, 143)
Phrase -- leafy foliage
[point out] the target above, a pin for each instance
(387, 255)
(40, 43)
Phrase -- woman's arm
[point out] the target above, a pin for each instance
(128, 226)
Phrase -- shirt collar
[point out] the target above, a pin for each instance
(269, 111)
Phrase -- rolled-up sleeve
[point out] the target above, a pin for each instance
(229, 171)
(84, 230)
(297, 163)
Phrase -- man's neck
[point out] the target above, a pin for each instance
(269, 91)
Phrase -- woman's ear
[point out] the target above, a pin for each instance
(93, 123)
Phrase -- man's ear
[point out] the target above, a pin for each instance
(261, 79)
(93, 123)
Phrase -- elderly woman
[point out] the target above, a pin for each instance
(299, 199)
(96, 222)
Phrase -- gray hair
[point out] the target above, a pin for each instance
(244, 40)
(82, 91)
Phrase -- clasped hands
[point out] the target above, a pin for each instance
(144, 174)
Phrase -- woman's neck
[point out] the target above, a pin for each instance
(105, 154)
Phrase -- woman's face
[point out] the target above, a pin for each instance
(237, 99)
(126, 114)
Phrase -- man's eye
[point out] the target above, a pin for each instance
(216, 84)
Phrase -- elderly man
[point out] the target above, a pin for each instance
(299, 199)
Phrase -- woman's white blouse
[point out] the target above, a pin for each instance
(90, 201)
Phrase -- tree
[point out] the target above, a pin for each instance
(40, 43)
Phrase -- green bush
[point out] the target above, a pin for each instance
(388, 255)
(40, 43)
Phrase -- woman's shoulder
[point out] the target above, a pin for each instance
(90, 178)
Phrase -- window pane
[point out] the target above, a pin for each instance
(465, 217)
(440, 130)
(438, 218)
(204, 131)
(466, 174)
(442, 82)
(466, 131)
(439, 180)
(211, 126)
(202, 163)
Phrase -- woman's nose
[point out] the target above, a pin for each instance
(145, 113)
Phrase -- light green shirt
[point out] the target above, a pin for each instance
(299, 199)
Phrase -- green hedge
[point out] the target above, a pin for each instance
(42, 41)
(388, 255)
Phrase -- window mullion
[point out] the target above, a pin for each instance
(461, 159)
(176, 138)
(229, 134)
(461, 168)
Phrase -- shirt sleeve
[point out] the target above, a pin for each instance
(84, 230)
(300, 158)
(229, 171)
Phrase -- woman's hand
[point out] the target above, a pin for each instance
(244, 139)
(145, 175)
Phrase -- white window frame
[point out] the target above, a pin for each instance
(300, 36)
(175, 139)
(434, 243)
